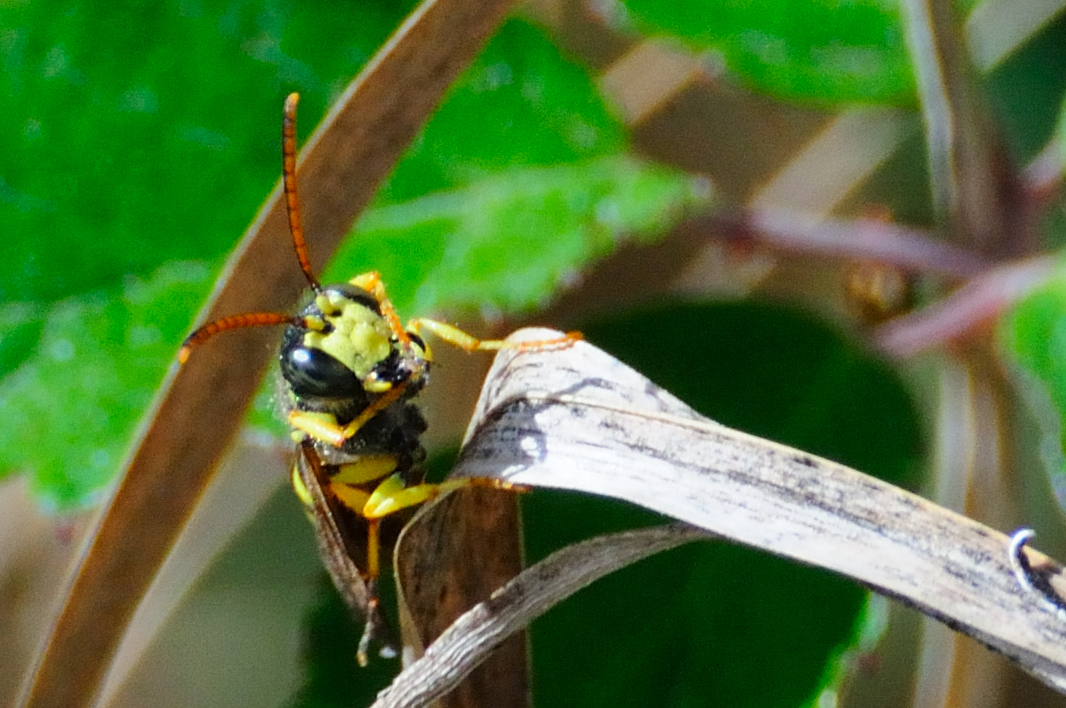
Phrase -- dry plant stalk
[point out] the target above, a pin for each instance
(199, 409)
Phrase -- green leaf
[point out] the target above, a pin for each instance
(521, 103)
(506, 242)
(825, 51)
(1033, 336)
(20, 329)
(138, 133)
(519, 180)
(70, 406)
(1027, 90)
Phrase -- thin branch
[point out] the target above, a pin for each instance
(974, 305)
(971, 188)
(861, 239)
(987, 296)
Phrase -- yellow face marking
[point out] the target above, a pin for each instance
(338, 300)
(360, 338)
(326, 304)
(315, 323)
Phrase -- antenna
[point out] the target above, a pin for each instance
(292, 199)
(292, 204)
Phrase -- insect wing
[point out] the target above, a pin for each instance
(338, 545)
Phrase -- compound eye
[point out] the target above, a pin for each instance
(313, 372)
(364, 298)
(417, 341)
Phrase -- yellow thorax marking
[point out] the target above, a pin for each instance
(365, 468)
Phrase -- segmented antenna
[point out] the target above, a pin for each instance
(292, 200)
(250, 319)
(292, 204)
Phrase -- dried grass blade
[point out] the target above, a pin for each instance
(200, 407)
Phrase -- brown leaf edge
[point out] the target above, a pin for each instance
(451, 559)
(199, 407)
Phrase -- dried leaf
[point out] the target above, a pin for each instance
(578, 419)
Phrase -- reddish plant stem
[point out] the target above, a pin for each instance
(972, 306)
(861, 239)
(1043, 176)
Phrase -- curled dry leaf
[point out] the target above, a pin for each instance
(579, 419)
(477, 633)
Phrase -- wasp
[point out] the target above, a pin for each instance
(349, 372)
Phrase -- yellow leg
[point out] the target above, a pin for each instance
(352, 497)
(467, 342)
(391, 496)
(318, 426)
(371, 282)
(324, 427)
(374, 621)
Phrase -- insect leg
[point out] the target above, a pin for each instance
(467, 342)
(373, 602)
(325, 427)
(391, 495)
(336, 547)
